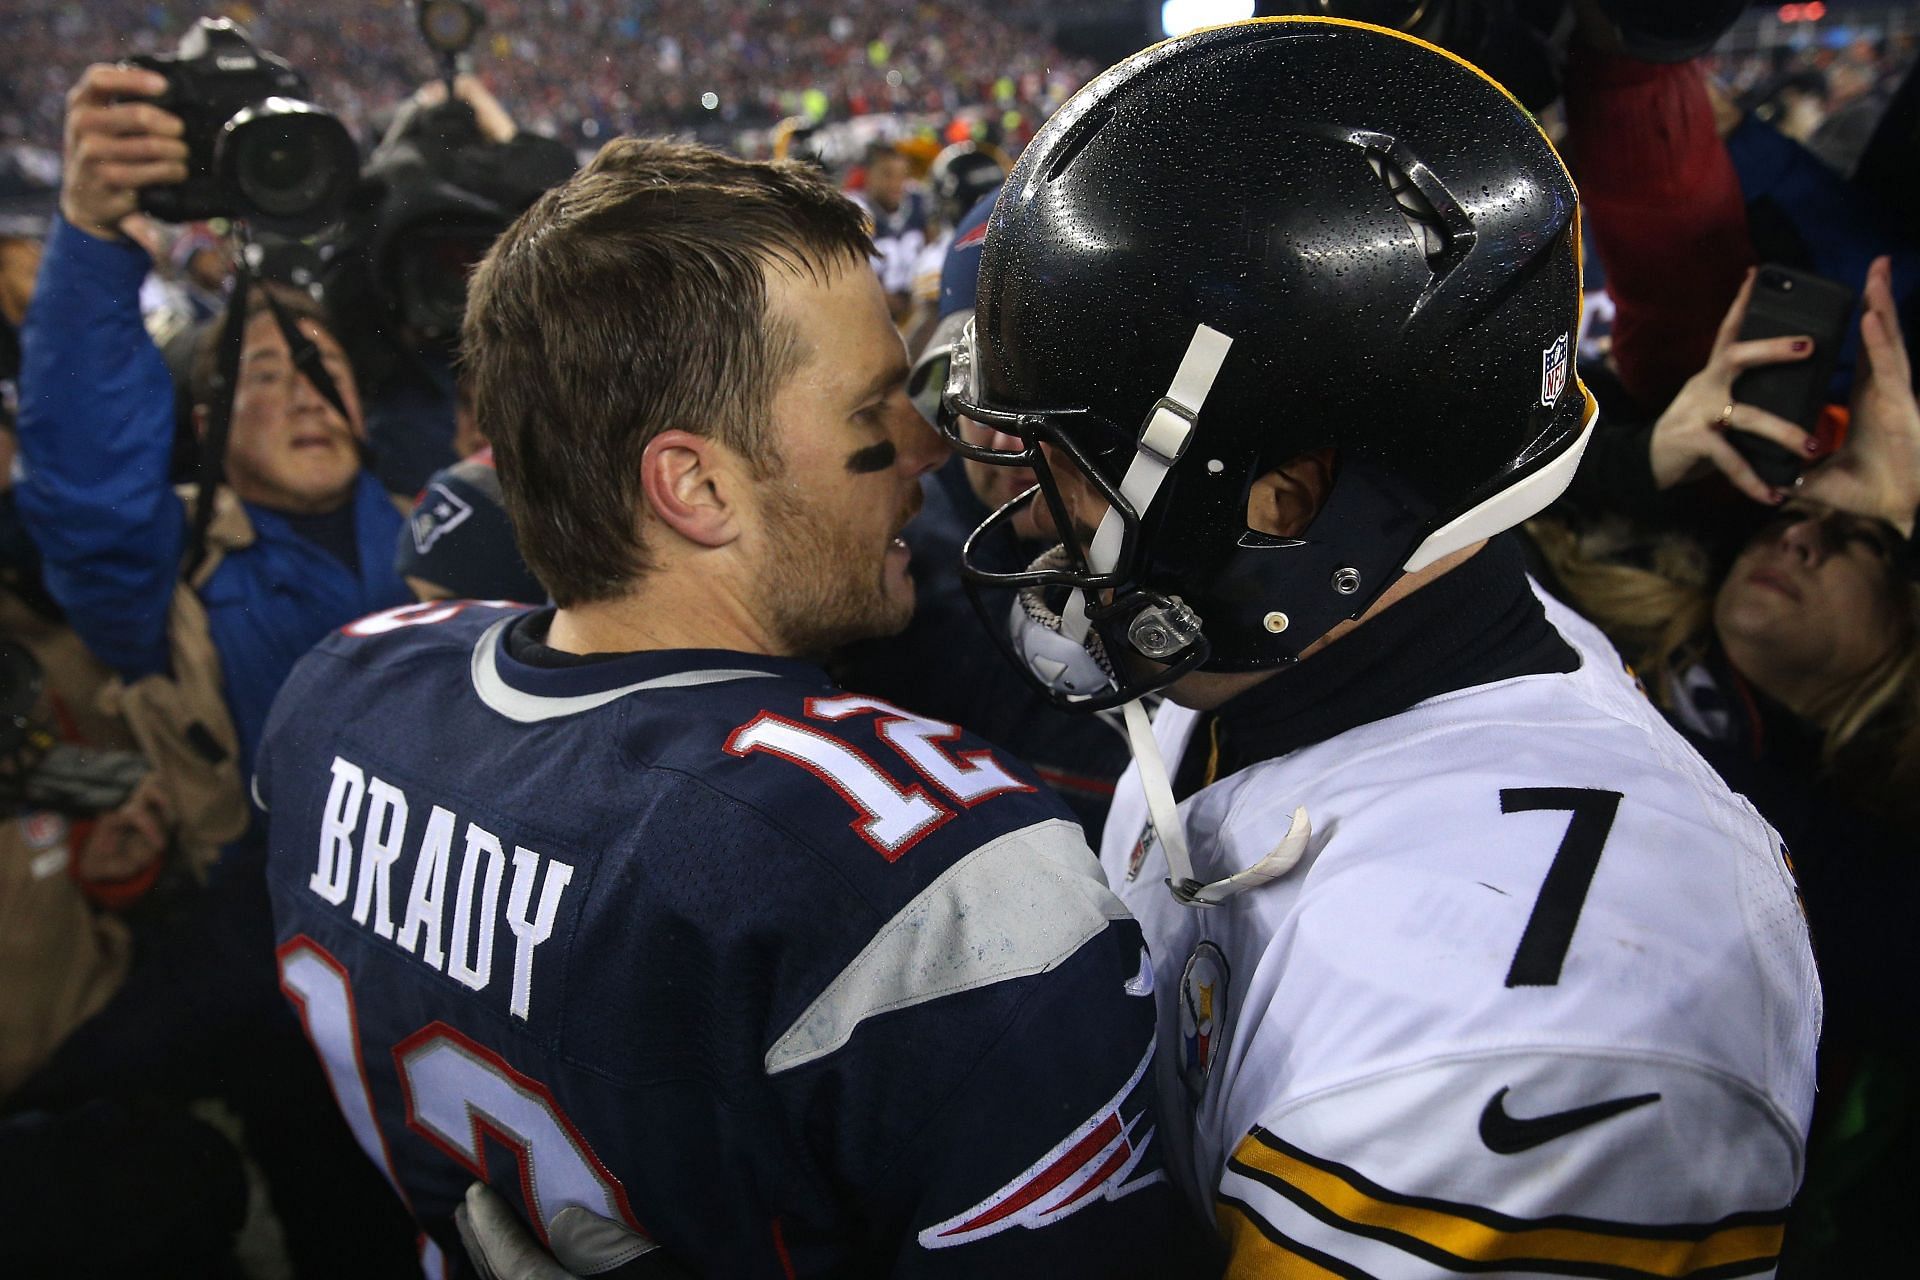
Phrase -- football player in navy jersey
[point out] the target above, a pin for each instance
(621, 906)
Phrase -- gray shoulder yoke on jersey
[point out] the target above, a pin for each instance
(1016, 906)
(529, 708)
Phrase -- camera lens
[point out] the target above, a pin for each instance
(433, 264)
(288, 161)
(450, 25)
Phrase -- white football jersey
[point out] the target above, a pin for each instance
(1538, 1000)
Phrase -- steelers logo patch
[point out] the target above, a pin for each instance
(1203, 1015)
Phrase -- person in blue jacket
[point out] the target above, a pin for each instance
(96, 433)
(301, 544)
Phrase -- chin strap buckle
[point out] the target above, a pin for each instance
(1162, 631)
(1165, 815)
(1190, 892)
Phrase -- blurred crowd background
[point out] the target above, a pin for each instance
(585, 70)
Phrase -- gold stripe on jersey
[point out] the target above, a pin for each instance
(1467, 1237)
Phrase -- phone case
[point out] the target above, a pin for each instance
(1788, 303)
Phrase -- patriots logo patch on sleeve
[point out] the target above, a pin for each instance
(1095, 1162)
(439, 514)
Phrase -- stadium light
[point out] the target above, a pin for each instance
(1177, 17)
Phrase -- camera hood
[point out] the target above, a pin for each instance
(291, 162)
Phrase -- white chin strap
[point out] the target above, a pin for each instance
(1168, 432)
(1165, 816)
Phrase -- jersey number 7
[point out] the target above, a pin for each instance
(1549, 932)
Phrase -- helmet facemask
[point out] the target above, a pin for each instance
(1086, 631)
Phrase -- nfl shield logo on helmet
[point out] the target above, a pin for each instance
(1553, 372)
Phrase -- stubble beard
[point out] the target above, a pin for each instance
(820, 593)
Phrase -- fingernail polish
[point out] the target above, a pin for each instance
(1777, 496)
(1813, 445)
(1802, 345)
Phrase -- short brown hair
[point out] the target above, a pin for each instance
(203, 371)
(630, 301)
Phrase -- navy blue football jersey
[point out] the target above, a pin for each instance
(794, 981)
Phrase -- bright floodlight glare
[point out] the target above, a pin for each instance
(1177, 17)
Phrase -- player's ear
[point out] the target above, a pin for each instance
(1284, 501)
(688, 482)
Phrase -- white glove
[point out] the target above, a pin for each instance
(589, 1245)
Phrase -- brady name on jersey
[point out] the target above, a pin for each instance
(364, 830)
(791, 980)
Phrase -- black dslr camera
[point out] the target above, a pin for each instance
(256, 148)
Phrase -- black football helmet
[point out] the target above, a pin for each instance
(959, 176)
(1243, 246)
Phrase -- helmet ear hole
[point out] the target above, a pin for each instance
(1284, 501)
(1423, 220)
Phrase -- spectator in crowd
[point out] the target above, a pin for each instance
(959, 176)
(64, 876)
(78, 856)
(301, 541)
(900, 224)
(445, 180)
(1662, 205)
(312, 532)
(585, 70)
(19, 264)
(458, 542)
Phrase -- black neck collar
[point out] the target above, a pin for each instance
(1477, 624)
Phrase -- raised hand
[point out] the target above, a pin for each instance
(1877, 472)
(115, 147)
(1690, 441)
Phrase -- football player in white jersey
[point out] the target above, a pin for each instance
(1469, 963)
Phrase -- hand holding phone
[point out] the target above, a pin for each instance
(1785, 304)
(1706, 425)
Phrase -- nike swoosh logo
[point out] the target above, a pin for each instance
(1508, 1135)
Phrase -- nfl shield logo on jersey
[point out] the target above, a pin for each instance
(1553, 372)
(1203, 1015)
(1141, 848)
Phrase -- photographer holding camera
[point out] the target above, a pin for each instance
(308, 545)
(202, 605)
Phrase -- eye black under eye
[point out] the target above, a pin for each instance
(875, 457)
